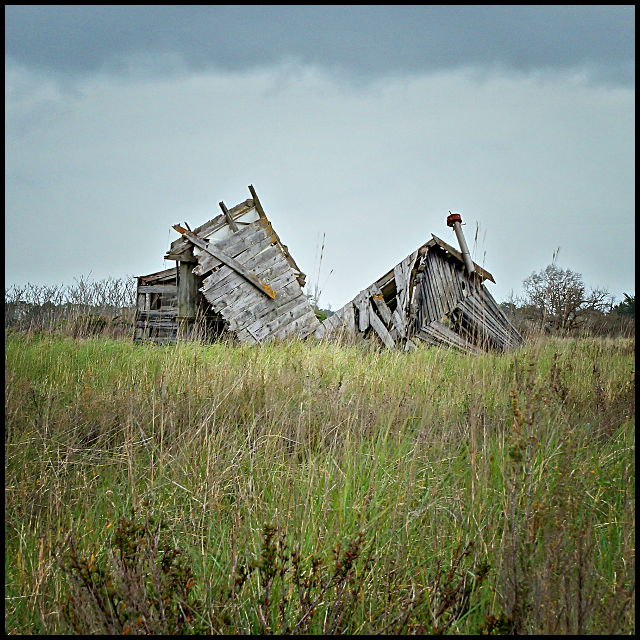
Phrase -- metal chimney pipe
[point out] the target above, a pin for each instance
(455, 220)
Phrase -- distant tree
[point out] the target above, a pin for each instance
(559, 299)
(627, 307)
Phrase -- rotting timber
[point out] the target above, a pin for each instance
(233, 277)
(435, 295)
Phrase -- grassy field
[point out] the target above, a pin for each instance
(300, 488)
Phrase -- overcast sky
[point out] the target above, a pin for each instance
(362, 124)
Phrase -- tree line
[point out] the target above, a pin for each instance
(553, 301)
(557, 301)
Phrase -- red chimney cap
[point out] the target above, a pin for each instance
(453, 217)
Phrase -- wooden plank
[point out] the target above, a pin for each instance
(381, 306)
(301, 327)
(285, 325)
(386, 279)
(251, 238)
(269, 325)
(399, 322)
(422, 299)
(237, 295)
(185, 256)
(511, 330)
(378, 326)
(145, 313)
(438, 280)
(361, 303)
(458, 276)
(320, 331)
(450, 285)
(211, 226)
(328, 326)
(483, 314)
(254, 309)
(342, 321)
(272, 322)
(478, 330)
(434, 284)
(428, 293)
(157, 324)
(285, 250)
(348, 319)
(444, 279)
(259, 259)
(486, 321)
(168, 274)
(402, 273)
(402, 287)
(260, 312)
(252, 257)
(257, 202)
(442, 333)
(262, 287)
(158, 288)
(245, 303)
(408, 265)
(228, 217)
(141, 300)
(254, 245)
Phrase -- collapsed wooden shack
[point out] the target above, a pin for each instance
(233, 276)
(435, 295)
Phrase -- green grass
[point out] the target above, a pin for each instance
(526, 460)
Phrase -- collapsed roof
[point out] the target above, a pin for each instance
(429, 296)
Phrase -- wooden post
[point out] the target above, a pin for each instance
(187, 297)
(257, 203)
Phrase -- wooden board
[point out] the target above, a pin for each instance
(378, 326)
(255, 318)
(182, 244)
(215, 250)
(361, 303)
(437, 333)
(250, 238)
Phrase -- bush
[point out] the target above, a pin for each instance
(143, 585)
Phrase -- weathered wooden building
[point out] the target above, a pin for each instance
(232, 276)
(435, 295)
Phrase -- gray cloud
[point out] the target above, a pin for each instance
(367, 123)
(103, 173)
(360, 41)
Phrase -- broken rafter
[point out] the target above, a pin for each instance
(230, 221)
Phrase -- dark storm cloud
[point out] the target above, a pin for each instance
(361, 40)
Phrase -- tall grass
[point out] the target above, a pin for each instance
(323, 488)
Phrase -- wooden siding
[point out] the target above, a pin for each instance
(157, 307)
(250, 315)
